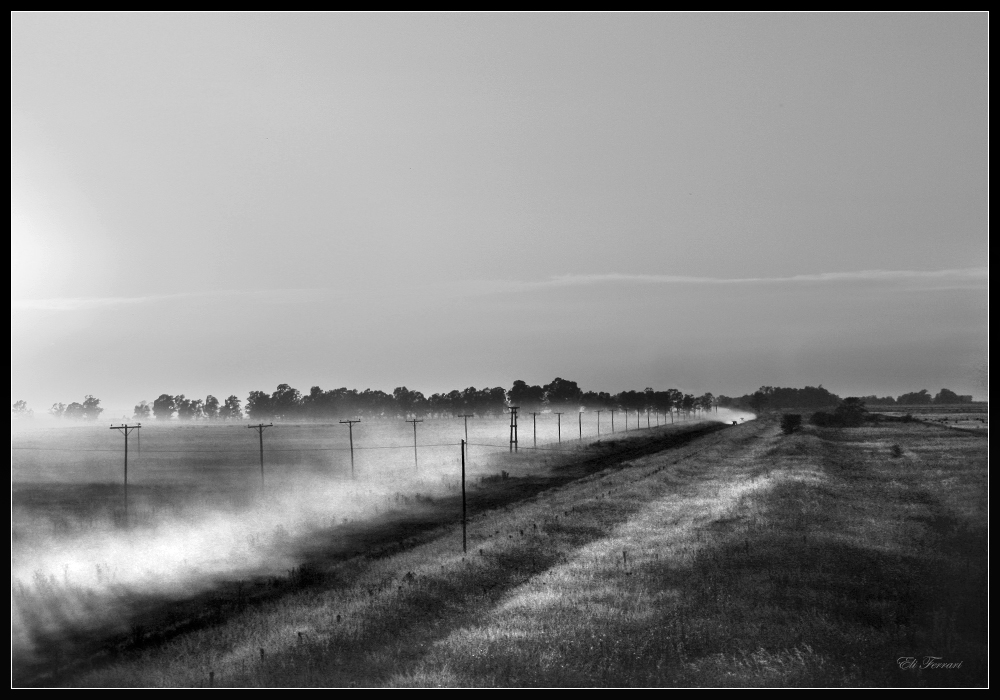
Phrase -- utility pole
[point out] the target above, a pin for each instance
(580, 421)
(350, 435)
(513, 428)
(560, 426)
(599, 421)
(626, 420)
(647, 419)
(534, 430)
(125, 429)
(466, 416)
(415, 421)
(463, 497)
(260, 433)
(612, 422)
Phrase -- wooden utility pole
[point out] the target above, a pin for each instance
(260, 433)
(463, 497)
(415, 421)
(125, 429)
(350, 435)
(534, 430)
(580, 421)
(599, 421)
(513, 428)
(612, 422)
(559, 434)
(647, 419)
(466, 416)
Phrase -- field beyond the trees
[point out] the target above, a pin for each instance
(738, 556)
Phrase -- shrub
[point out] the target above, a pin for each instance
(790, 422)
(821, 418)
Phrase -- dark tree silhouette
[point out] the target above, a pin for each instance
(211, 407)
(232, 410)
(562, 393)
(164, 407)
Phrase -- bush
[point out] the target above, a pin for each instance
(821, 418)
(850, 412)
(790, 422)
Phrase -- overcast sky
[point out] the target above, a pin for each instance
(221, 203)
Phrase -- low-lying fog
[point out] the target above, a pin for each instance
(71, 562)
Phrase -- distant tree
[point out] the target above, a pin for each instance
(286, 402)
(851, 412)
(211, 407)
(597, 400)
(687, 403)
(759, 400)
(259, 405)
(232, 410)
(529, 398)
(404, 400)
(673, 399)
(373, 403)
(92, 407)
(57, 410)
(494, 401)
(196, 409)
(562, 392)
(949, 396)
(142, 411)
(75, 411)
(164, 407)
(916, 398)
(19, 410)
(185, 411)
(879, 400)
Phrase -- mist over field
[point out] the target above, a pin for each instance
(199, 514)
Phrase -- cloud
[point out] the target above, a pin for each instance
(964, 277)
(971, 274)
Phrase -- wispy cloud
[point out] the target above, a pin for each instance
(938, 279)
(979, 274)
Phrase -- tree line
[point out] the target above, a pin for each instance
(288, 403)
(810, 397)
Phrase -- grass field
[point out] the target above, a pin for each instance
(964, 416)
(738, 557)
